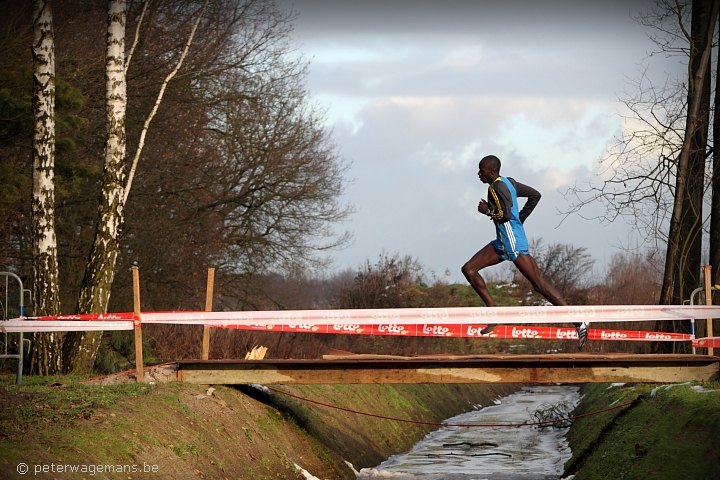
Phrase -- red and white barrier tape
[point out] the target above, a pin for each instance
(21, 325)
(472, 331)
(420, 316)
(114, 316)
(706, 342)
(458, 321)
(409, 330)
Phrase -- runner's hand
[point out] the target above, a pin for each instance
(483, 206)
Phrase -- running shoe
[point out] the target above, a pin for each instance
(582, 332)
(488, 329)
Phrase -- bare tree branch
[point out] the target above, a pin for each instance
(137, 37)
(169, 77)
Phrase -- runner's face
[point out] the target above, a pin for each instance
(485, 173)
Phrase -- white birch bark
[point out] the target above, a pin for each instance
(46, 354)
(80, 348)
(137, 36)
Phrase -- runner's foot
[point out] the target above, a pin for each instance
(582, 332)
(488, 329)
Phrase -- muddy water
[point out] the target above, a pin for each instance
(488, 453)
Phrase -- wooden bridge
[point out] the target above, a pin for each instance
(529, 369)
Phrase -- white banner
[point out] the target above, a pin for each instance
(456, 315)
(21, 325)
(389, 316)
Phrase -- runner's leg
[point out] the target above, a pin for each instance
(486, 257)
(528, 267)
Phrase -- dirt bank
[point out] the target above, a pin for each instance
(175, 430)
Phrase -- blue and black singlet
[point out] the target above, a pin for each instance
(502, 197)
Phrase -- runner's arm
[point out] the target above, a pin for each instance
(532, 195)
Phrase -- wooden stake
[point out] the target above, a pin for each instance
(138, 325)
(707, 274)
(208, 308)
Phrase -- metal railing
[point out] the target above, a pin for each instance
(692, 302)
(21, 311)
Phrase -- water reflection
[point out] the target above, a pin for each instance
(488, 453)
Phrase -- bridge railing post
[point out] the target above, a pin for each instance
(138, 325)
(208, 308)
(707, 279)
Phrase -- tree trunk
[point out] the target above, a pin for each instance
(81, 347)
(703, 24)
(683, 249)
(715, 188)
(46, 353)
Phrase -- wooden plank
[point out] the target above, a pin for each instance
(503, 371)
(491, 358)
(208, 308)
(138, 325)
(451, 375)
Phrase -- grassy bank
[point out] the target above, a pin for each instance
(668, 432)
(171, 430)
(176, 430)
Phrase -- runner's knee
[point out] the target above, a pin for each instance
(467, 270)
(472, 274)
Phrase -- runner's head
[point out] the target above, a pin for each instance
(489, 169)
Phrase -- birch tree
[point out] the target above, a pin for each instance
(46, 358)
(237, 169)
(79, 348)
(255, 179)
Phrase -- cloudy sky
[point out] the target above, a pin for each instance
(418, 91)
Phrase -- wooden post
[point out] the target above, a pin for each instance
(707, 275)
(138, 325)
(208, 308)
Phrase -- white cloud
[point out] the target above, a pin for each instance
(561, 134)
(418, 92)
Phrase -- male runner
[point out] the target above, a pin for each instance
(511, 243)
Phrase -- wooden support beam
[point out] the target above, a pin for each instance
(502, 369)
(707, 278)
(208, 308)
(138, 324)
